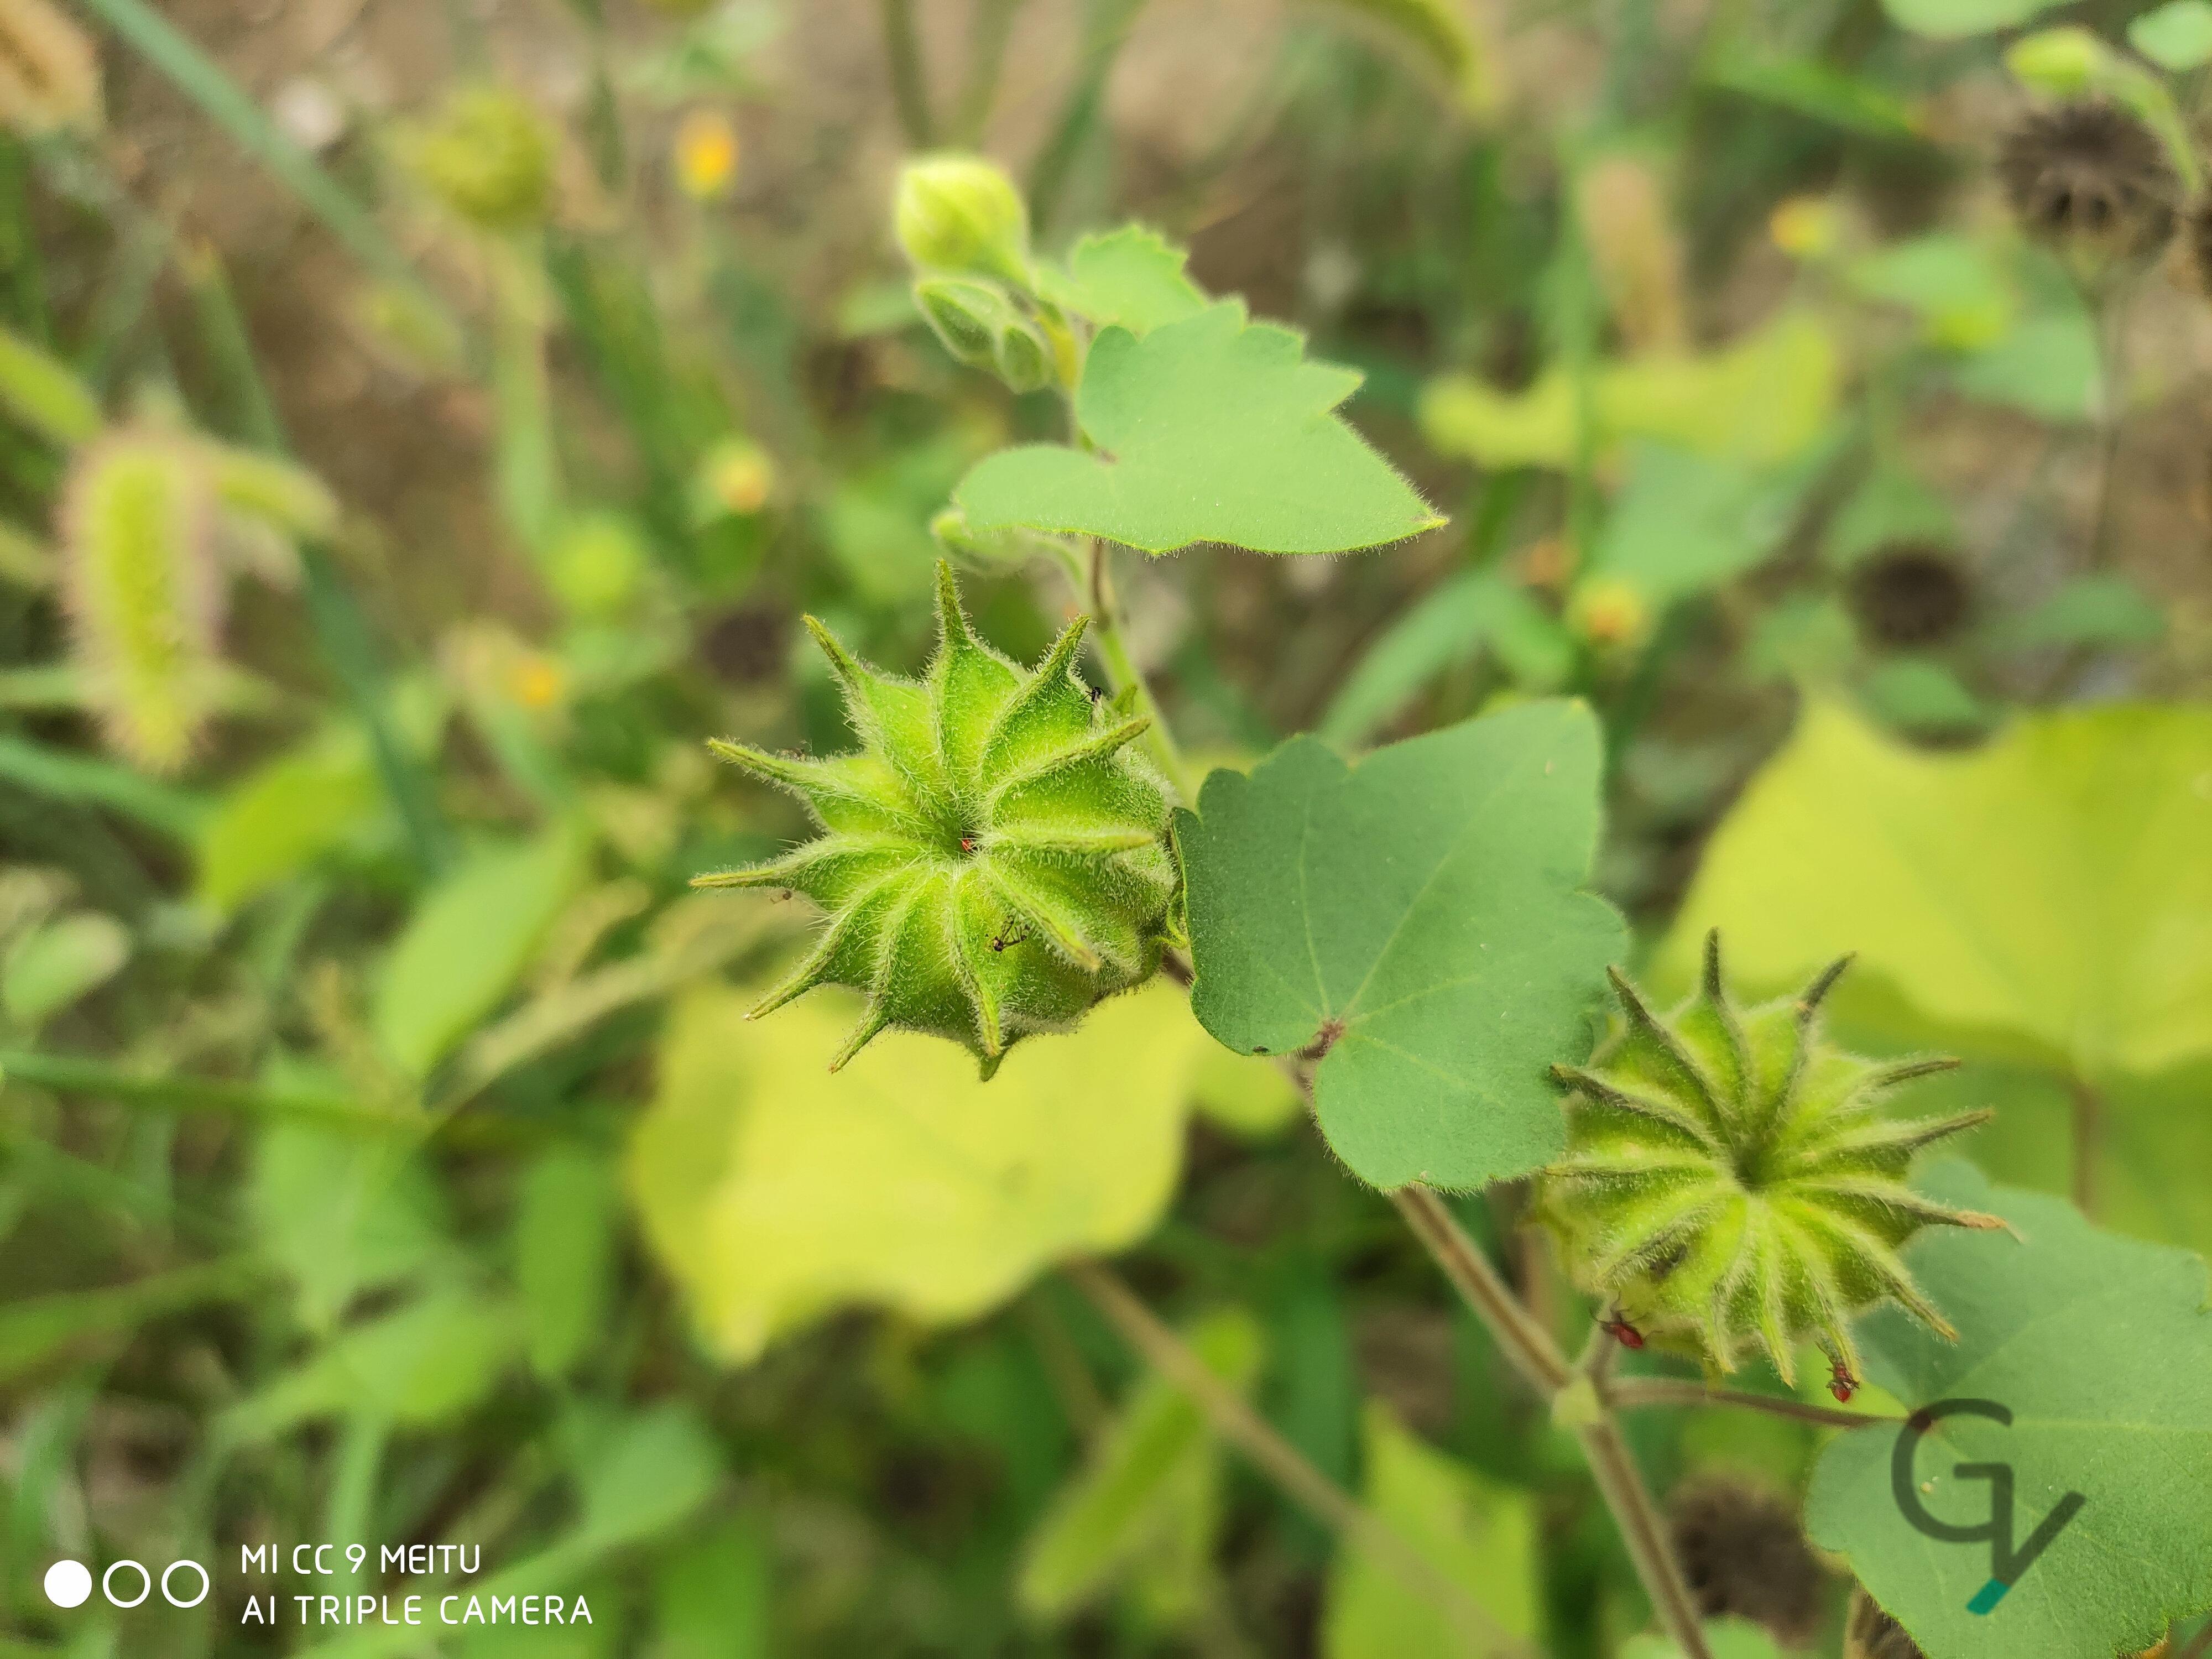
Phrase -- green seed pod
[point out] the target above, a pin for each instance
(961, 214)
(995, 858)
(143, 596)
(1730, 1179)
(488, 156)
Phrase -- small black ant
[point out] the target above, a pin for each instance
(1007, 936)
(1096, 692)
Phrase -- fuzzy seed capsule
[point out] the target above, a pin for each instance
(1732, 1183)
(994, 859)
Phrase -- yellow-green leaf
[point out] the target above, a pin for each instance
(2047, 897)
(1763, 400)
(775, 1191)
(1480, 1535)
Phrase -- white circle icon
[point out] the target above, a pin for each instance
(68, 1583)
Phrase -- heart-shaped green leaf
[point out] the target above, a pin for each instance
(2100, 1349)
(1421, 917)
(1210, 429)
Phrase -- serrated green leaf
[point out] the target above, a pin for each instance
(1210, 429)
(2176, 36)
(1131, 276)
(465, 948)
(1150, 1487)
(905, 1181)
(1478, 1534)
(2049, 895)
(1423, 911)
(2101, 1349)
(1762, 399)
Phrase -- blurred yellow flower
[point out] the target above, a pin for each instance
(536, 682)
(49, 73)
(706, 155)
(1805, 227)
(1610, 613)
(737, 476)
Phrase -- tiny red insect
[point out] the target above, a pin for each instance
(1841, 1383)
(1621, 1331)
(967, 843)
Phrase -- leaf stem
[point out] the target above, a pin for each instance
(1632, 1392)
(1235, 1422)
(1533, 1352)
(1098, 595)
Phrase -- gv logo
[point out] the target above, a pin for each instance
(2006, 1564)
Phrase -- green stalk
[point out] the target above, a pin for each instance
(340, 628)
(909, 86)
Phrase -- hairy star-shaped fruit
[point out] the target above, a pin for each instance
(1731, 1180)
(994, 857)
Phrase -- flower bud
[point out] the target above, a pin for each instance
(980, 326)
(735, 479)
(705, 154)
(1611, 614)
(488, 155)
(961, 214)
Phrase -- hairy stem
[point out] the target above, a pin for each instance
(1632, 1392)
(1644, 1532)
(1528, 1345)
(1533, 1352)
(1235, 1422)
(1097, 596)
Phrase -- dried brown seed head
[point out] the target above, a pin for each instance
(2090, 178)
(1745, 1556)
(1909, 594)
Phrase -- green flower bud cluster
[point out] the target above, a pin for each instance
(1731, 1180)
(963, 227)
(995, 858)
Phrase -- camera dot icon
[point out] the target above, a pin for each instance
(69, 1583)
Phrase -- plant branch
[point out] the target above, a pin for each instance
(1525, 1343)
(1634, 1392)
(1235, 1421)
(910, 88)
(1530, 1347)
(1644, 1532)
